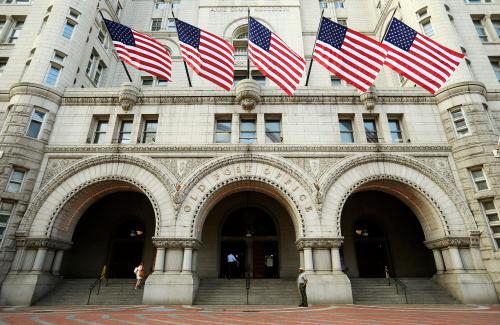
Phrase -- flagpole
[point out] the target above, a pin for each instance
(123, 63)
(389, 24)
(185, 65)
(248, 43)
(311, 63)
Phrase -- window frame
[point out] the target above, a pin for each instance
(273, 119)
(351, 122)
(97, 135)
(242, 133)
(223, 119)
(8, 213)
(55, 66)
(455, 120)
(69, 22)
(481, 179)
(18, 182)
(400, 130)
(144, 133)
(153, 24)
(16, 30)
(495, 236)
(121, 132)
(34, 120)
(374, 120)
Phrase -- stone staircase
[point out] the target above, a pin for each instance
(419, 291)
(233, 292)
(76, 292)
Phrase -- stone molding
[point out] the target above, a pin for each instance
(446, 242)
(128, 96)
(43, 242)
(248, 94)
(72, 169)
(32, 89)
(461, 88)
(161, 242)
(319, 242)
(369, 98)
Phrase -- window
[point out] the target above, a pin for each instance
(59, 57)
(100, 131)
(481, 33)
(479, 179)
(260, 79)
(3, 64)
(496, 24)
(74, 14)
(125, 131)
(155, 24)
(370, 130)
(171, 25)
(101, 36)
(396, 133)
(473, 1)
(495, 64)
(16, 31)
(147, 81)
(5, 213)
(118, 8)
(422, 13)
(273, 130)
(346, 131)
(69, 28)
(3, 20)
(149, 132)
(342, 22)
(175, 4)
(323, 4)
(161, 82)
(248, 131)
(240, 43)
(223, 130)
(491, 214)
(339, 3)
(458, 118)
(238, 76)
(52, 75)
(160, 4)
(427, 27)
(335, 81)
(35, 124)
(15, 181)
(98, 73)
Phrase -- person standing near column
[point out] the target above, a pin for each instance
(302, 282)
(139, 275)
(232, 264)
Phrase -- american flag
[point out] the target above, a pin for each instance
(348, 54)
(140, 51)
(274, 58)
(207, 54)
(419, 58)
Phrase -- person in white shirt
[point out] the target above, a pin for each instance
(232, 264)
(139, 275)
(302, 283)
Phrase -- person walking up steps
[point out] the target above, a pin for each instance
(139, 275)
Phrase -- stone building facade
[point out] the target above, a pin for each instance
(196, 172)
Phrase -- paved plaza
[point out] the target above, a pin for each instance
(337, 314)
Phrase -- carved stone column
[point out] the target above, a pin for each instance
(438, 259)
(41, 254)
(187, 261)
(56, 265)
(160, 260)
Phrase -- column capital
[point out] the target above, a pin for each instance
(319, 242)
(43, 242)
(446, 242)
(161, 242)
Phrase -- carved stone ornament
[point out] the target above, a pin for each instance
(43, 242)
(128, 96)
(160, 242)
(446, 242)
(369, 98)
(248, 94)
(319, 242)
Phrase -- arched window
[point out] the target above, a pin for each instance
(240, 43)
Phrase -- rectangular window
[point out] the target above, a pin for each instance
(147, 81)
(222, 130)
(125, 131)
(370, 130)
(52, 75)
(90, 64)
(427, 28)
(479, 179)
(273, 130)
(323, 4)
(149, 131)
(35, 124)
(59, 57)
(339, 4)
(118, 9)
(161, 82)
(491, 214)
(69, 28)
(101, 36)
(346, 131)
(496, 24)
(171, 25)
(458, 118)
(3, 64)
(100, 131)
(16, 31)
(74, 14)
(495, 64)
(155, 24)
(481, 33)
(98, 73)
(160, 4)
(15, 181)
(261, 80)
(248, 131)
(335, 81)
(396, 132)
(342, 22)
(6, 209)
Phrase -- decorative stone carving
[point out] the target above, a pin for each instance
(314, 166)
(369, 98)
(248, 94)
(446, 242)
(181, 167)
(43, 242)
(128, 96)
(441, 165)
(474, 238)
(319, 242)
(55, 166)
(160, 242)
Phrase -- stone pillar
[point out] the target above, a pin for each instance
(336, 264)
(456, 260)
(475, 252)
(195, 260)
(308, 260)
(160, 260)
(187, 261)
(56, 266)
(41, 254)
(438, 259)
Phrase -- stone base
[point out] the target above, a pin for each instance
(24, 289)
(170, 289)
(328, 288)
(469, 288)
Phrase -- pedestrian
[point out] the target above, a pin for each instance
(139, 275)
(302, 283)
(232, 264)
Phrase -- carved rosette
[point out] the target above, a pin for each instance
(248, 94)
(43, 242)
(319, 242)
(369, 98)
(160, 242)
(445, 242)
(128, 96)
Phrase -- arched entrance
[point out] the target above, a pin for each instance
(381, 232)
(115, 231)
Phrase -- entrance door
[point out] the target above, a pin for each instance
(125, 256)
(265, 259)
(372, 258)
(238, 249)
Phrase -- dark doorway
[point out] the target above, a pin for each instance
(250, 234)
(371, 250)
(127, 248)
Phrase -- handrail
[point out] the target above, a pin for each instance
(102, 276)
(247, 280)
(400, 283)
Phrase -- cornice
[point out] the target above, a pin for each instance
(161, 242)
(43, 242)
(319, 242)
(28, 88)
(446, 242)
